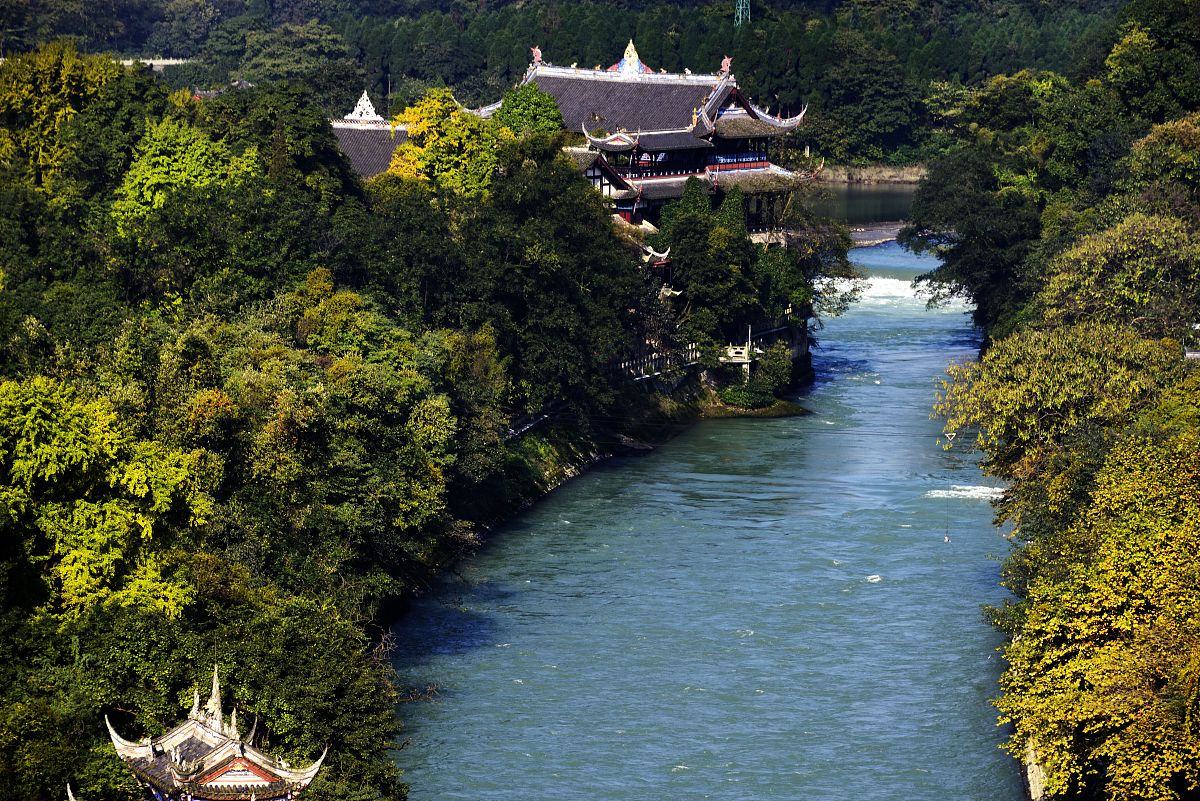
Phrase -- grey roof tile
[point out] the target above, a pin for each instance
(369, 148)
(604, 103)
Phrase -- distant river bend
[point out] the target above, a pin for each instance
(766, 609)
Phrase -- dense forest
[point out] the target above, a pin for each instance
(248, 402)
(1069, 212)
(878, 77)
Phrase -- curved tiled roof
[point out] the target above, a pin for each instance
(751, 122)
(672, 140)
(751, 181)
(369, 147)
(612, 101)
(206, 757)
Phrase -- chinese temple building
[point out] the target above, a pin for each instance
(367, 139)
(655, 130)
(205, 758)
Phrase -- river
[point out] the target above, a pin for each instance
(862, 204)
(760, 609)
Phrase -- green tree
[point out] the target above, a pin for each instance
(100, 507)
(983, 232)
(292, 52)
(1142, 272)
(39, 93)
(548, 272)
(1034, 387)
(447, 145)
(1149, 77)
(174, 156)
(528, 108)
(312, 54)
(98, 142)
(296, 147)
(873, 104)
(1169, 156)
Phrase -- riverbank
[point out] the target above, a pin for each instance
(546, 458)
(872, 174)
(870, 235)
(738, 609)
(552, 454)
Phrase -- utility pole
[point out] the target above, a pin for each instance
(741, 13)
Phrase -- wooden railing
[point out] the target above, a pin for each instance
(715, 163)
(637, 172)
(650, 365)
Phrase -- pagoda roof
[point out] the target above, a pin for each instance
(369, 147)
(205, 758)
(666, 188)
(629, 105)
(583, 157)
(749, 121)
(758, 181)
(751, 181)
(611, 101)
(672, 140)
(367, 139)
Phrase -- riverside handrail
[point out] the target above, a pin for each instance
(640, 368)
(654, 363)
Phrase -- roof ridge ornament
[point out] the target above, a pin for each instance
(364, 111)
(630, 64)
(537, 55)
(212, 709)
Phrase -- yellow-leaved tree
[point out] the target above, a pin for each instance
(39, 93)
(174, 156)
(448, 145)
(94, 510)
(1104, 681)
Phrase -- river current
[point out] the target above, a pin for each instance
(760, 609)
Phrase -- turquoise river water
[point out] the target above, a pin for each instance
(760, 609)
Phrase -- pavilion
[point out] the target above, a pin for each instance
(367, 139)
(206, 758)
(652, 131)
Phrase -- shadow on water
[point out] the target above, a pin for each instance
(458, 617)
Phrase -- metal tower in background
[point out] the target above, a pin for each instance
(741, 13)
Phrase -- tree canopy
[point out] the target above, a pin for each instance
(1068, 210)
(248, 402)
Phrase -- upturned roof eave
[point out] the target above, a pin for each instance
(166, 770)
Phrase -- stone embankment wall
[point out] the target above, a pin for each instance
(875, 174)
